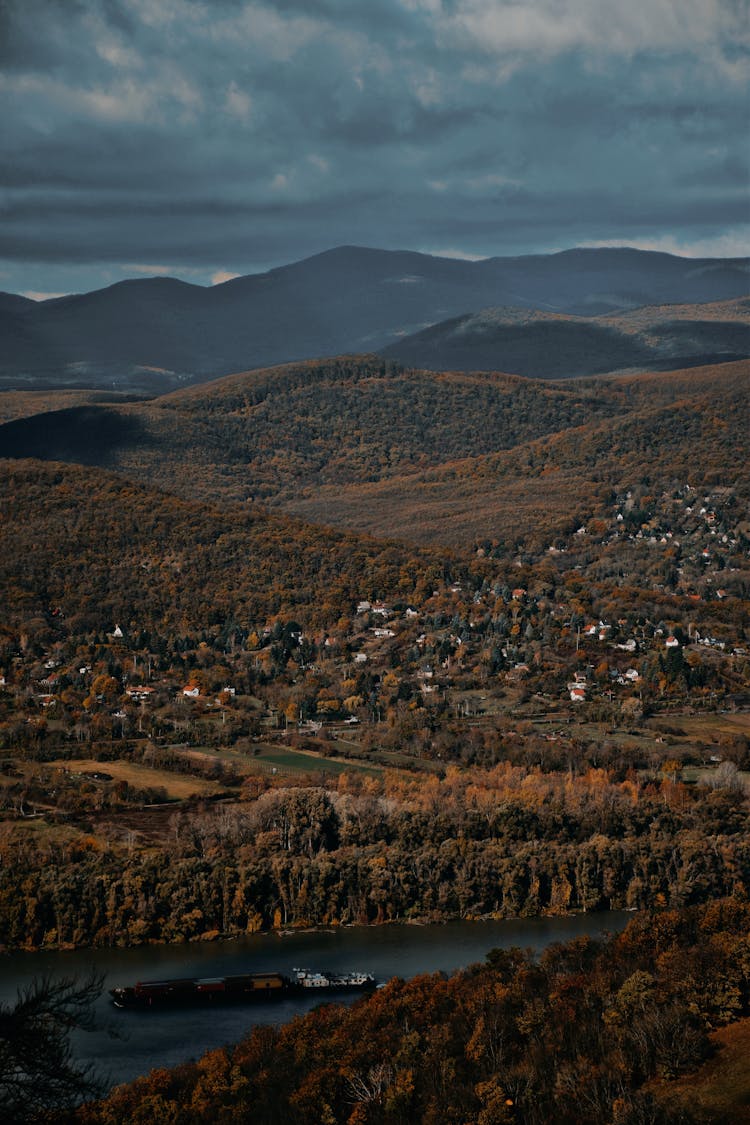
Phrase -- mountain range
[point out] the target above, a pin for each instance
(153, 334)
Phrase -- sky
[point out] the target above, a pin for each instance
(204, 140)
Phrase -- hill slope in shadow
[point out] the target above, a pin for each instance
(552, 346)
(159, 332)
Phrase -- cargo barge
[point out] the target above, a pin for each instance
(244, 988)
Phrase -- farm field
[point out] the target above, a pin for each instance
(282, 760)
(177, 787)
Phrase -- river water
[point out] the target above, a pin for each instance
(130, 1043)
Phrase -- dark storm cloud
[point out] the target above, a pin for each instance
(227, 136)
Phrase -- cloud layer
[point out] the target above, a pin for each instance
(206, 139)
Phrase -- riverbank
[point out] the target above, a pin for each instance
(216, 936)
(129, 1044)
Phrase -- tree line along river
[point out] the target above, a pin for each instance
(129, 1043)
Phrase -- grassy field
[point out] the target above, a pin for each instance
(302, 761)
(704, 728)
(680, 732)
(38, 831)
(283, 760)
(395, 759)
(178, 787)
(719, 1091)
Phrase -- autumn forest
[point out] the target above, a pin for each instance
(349, 643)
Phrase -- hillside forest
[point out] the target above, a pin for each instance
(348, 642)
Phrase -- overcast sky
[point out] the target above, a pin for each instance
(208, 139)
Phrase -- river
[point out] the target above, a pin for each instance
(130, 1043)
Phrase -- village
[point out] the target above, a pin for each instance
(615, 628)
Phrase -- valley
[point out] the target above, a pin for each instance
(374, 563)
(350, 642)
(183, 673)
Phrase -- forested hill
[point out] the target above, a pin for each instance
(685, 427)
(551, 346)
(97, 550)
(362, 443)
(159, 332)
(272, 433)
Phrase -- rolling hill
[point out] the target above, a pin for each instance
(281, 433)
(190, 587)
(686, 426)
(552, 346)
(157, 333)
(362, 444)
(108, 550)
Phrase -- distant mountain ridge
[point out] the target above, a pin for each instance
(156, 333)
(552, 346)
